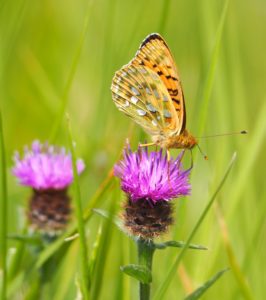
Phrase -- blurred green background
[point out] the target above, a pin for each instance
(40, 67)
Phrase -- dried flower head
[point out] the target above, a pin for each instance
(150, 181)
(45, 167)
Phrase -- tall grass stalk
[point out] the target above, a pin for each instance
(85, 280)
(170, 275)
(3, 212)
(72, 72)
(211, 72)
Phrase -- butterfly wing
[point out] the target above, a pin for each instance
(140, 93)
(155, 55)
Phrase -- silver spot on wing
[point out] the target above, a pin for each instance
(154, 123)
(143, 71)
(148, 91)
(134, 99)
(154, 76)
(167, 113)
(126, 104)
(165, 98)
(135, 91)
(116, 88)
(151, 107)
(156, 93)
(141, 112)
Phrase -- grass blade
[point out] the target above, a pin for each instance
(102, 252)
(164, 15)
(61, 113)
(202, 289)
(3, 212)
(162, 289)
(239, 276)
(80, 221)
(211, 73)
(257, 139)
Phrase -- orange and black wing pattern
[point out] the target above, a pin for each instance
(156, 55)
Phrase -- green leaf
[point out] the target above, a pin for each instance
(29, 239)
(141, 273)
(178, 244)
(202, 289)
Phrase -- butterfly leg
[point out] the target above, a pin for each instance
(168, 166)
(181, 157)
(191, 156)
(146, 145)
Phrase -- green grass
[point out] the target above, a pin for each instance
(59, 57)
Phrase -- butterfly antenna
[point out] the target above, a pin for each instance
(223, 134)
(202, 153)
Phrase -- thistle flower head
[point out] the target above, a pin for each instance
(45, 167)
(150, 176)
(150, 180)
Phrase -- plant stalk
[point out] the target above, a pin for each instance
(145, 255)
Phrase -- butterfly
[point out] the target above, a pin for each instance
(149, 91)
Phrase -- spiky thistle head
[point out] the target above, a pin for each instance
(47, 169)
(150, 181)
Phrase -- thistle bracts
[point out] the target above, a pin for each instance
(147, 220)
(49, 210)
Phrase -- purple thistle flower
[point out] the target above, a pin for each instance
(150, 176)
(45, 167)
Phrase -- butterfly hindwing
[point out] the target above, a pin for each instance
(155, 54)
(140, 93)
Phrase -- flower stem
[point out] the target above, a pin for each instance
(145, 255)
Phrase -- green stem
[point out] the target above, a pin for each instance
(3, 213)
(80, 222)
(145, 255)
(71, 75)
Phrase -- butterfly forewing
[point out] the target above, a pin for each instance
(155, 54)
(140, 93)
